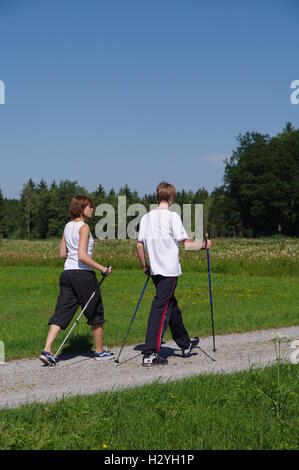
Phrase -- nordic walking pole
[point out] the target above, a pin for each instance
(211, 302)
(82, 311)
(132, 320)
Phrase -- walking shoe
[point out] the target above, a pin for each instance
(47, 358)
(154, 360)
(194, 342)
(104, 355)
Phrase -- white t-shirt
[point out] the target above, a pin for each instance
(161, 231)
(72, 236)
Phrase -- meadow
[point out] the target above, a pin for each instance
(259, 257)
(254, 284)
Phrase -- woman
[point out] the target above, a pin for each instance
(78, 281)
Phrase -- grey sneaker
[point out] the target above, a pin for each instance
(103, 356)
(47, 358)
(193, 343)
(154, 360)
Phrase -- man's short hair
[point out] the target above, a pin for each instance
(78, 204)
(165, 191)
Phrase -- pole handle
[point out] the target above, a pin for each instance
(105, 273)
(206, 239)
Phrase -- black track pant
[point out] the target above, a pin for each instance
(165, 311)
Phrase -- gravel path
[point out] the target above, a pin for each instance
(27, 380)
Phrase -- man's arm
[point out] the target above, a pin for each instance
(194, 245)
(180, 234)
(141, 256)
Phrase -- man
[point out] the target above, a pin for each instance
(160, 233)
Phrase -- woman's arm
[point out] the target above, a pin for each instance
(82, 251)
(62, 250)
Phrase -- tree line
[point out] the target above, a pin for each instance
(259, 195)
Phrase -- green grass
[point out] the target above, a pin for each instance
(248, 410)
(241, 303)
(255, 286)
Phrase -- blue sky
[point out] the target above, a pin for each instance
(136, 91)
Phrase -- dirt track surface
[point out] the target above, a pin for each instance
(28, 381)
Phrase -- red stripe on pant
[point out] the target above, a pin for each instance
(163, 317)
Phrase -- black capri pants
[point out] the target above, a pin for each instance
(76, 288)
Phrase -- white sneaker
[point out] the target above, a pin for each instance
(193, 343)
(154, 360)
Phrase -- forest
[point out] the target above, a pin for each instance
(259, 195)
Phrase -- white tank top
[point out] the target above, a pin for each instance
(72, 236)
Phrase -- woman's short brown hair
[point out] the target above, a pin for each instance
(165, 191)
(78, 204)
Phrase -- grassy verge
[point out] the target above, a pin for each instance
(248, 410)
(241, 303)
